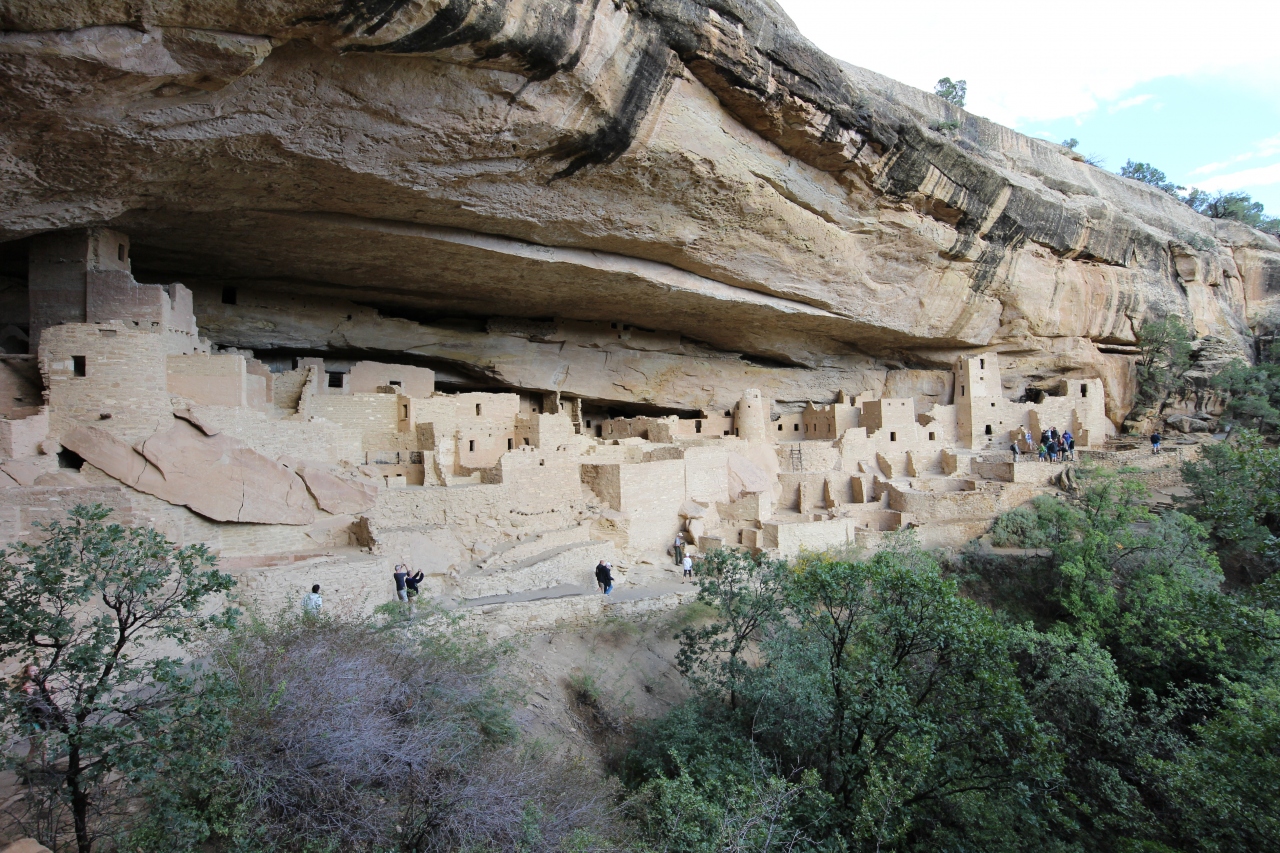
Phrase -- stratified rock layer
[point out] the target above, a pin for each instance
(694, 168)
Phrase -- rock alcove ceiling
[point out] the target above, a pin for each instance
(653, 202)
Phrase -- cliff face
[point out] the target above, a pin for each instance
(443, 178)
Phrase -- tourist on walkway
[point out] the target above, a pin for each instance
(1155, 443)
(400, 573)
(1069, 443)
(1054, 434)
(411, 584)
(678, 549)
(687, 563)
(312, 602)
(1044, 451)
(604, 577)
(1013, 448)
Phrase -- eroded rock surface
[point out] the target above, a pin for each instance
(687, 167)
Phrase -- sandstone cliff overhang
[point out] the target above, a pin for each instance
(683, 165)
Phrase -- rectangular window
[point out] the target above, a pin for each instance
(511, 444)
(697, 426)
(932, 437)
(779, 427)
(78, 366)
(107, 333)
(477, 409)
(796, 427)
(1084, 390)
(893, 436)
(471, 445)
(961, 390)
(395, 382)
(982, 363)
(120, 251)
(335, 378)
(228, 296)
(406, 411)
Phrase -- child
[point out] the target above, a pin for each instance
(1044, 452)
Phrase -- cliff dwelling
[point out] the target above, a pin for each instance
(332, 295)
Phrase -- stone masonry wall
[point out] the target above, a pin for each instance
(124, 377)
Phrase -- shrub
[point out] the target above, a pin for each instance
(368, 734)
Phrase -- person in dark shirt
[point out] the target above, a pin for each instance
(1155, 443)
(411, 584)
(604, 577)
(400, 573)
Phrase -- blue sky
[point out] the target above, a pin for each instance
(1192, 89)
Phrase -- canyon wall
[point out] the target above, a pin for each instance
(646, 203)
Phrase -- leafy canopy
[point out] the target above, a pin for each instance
(953, 92)
(1149, 174)
(95, 606)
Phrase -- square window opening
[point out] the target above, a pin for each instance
(229, 296)
(335, 378)
(933, 436)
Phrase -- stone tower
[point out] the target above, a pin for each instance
(752, 417)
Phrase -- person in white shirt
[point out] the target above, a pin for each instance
(312, 602)
(687, 563)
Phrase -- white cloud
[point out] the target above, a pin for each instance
(1027, 62)
(1136, 100)
(1259, 177)
(1265, 148)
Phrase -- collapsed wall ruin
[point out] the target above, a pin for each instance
(333, 472)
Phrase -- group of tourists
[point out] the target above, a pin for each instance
(1054, 446)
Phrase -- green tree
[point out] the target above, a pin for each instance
(1071, 143)
(1253, 393)
(95, 607)
(897, 693)
(747, 593)
(953, 92)
(1239, 206)
(1227, 783)
(1235, 490)
(1149, 174)
(1163, 360)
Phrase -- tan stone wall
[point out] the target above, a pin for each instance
(367, 376)
(21, 438)
(287, 388)
(210, 380)
(376, 416)
(316, 441)
(706, 473)
(24, 506)
(125, 377)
